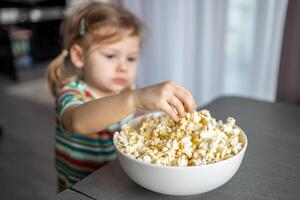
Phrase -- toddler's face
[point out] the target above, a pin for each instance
(111, 68)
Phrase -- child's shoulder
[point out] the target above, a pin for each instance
(77, 84)
(74, 88)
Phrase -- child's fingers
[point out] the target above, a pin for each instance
(177, 104)
(170, 111)
(188, 94)
(185, 99)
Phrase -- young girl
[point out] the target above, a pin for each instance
(91, 81)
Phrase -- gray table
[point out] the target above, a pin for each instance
(270, 169)
(71, 194)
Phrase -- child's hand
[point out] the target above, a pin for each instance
(170, 97)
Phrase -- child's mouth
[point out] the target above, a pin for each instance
(120, 81)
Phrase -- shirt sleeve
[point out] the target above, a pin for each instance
(68, 98)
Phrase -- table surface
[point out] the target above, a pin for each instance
(270, 169)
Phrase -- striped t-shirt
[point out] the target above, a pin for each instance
(77, 155)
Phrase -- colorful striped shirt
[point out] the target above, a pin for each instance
(78, 155)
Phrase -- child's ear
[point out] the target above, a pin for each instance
(76, 56)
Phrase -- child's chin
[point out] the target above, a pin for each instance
(118, 89)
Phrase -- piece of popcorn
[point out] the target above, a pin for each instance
(182, 161)
(147, 159)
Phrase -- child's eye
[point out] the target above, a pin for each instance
(132, 59)
(109, 56)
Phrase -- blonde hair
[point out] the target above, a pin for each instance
(94, 22)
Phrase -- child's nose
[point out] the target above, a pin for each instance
(122, 67)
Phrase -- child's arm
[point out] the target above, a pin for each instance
(99, 114)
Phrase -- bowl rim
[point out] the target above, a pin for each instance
(177, 167)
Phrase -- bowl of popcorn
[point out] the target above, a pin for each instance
(194, 155)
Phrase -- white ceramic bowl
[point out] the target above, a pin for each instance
(174, 180)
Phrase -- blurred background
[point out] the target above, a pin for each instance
(246, 48)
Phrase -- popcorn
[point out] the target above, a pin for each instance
(147, 159)
(197, 139)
